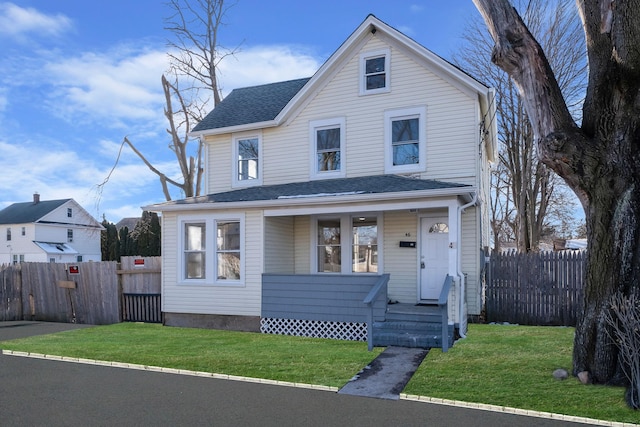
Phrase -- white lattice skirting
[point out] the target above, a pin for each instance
(351, 331)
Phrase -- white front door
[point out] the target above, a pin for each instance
(434, 256)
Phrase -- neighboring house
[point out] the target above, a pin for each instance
(48, 231)
(129, 222)
(316, 187)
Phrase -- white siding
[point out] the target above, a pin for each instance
(452, 125)
(401, 263)
(214, 299)
(303, 245)
(470, 259)
(279, 245)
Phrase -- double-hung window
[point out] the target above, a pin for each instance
(374, 72)
(346, 244)
(327, 139)
(247, 168)
(212, 250)
(405, 140)
(70, 235)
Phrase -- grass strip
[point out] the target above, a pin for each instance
(512, 366)
(275, 357)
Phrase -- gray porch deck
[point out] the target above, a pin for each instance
(351, 307)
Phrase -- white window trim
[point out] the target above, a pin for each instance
(387, 70)
(346, 244)
(391, 115)
(211, 258)
(315, 125)
(234, 156)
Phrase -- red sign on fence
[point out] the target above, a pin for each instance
(138, 262)
(74, 269)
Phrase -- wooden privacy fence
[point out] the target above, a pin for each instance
(535, 288)
(94, 293)
(84, 293)
(140, 289)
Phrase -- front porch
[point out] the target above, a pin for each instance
(352, 307)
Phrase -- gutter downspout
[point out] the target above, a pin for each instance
(461, 209)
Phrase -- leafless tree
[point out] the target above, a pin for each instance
(598, 158)
(189, 86)
(528, 191)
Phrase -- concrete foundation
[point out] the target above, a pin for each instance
(213, 321)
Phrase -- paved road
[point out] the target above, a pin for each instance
(55, 393)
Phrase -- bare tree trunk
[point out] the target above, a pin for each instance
(600, 161)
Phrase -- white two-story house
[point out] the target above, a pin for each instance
(48, 231)
(372, 173)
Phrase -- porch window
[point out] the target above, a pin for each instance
(247, 164)
(365, 245)
(228, 250)
(194, 250)
(327, 138)
(329, 248)
(405, 137)
(347, 244)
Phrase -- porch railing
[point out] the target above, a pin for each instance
(443, 305)
(380, 288)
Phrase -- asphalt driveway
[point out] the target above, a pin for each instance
(58, 393)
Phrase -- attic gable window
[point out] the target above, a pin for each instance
(69, 212)
(327, 148)
(374, 74)
(247, 168)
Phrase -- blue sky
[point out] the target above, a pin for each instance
(77, 76)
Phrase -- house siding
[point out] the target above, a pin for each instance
(401, 263)
(242, 300)
(302, 229)
(470, 259)
(451, 124)
(279, 245)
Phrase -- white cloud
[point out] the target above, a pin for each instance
(266, 64)
(18, 21)
(121, 85)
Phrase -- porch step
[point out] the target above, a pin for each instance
(412, 326)
(411, 340)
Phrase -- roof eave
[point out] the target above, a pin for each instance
(232, 129)
(466, 192)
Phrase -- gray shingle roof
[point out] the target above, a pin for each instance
(251, 105)
(325, 187)
(27, 212)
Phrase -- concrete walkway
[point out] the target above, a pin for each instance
(387, 375)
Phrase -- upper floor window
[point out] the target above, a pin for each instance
(247, 161)
(327, 138)
(405, 140)
(69, 235)
(69, 212)
(374, 74)
(8, 234)
(23, 231)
